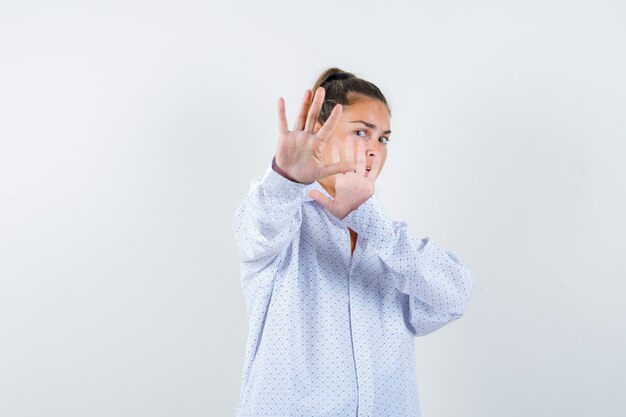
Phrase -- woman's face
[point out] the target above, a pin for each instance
(367, 118)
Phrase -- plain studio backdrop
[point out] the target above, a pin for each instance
(130, 132)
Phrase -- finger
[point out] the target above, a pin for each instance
(330, 123)
(326, 202)
(336, 168)
(304, 106)
(349, 149)
(360, 156)
(375, 169)
(282, 117)
(314, 111)
(336, 157)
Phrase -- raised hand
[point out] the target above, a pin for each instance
(299, 152)
(351, 188)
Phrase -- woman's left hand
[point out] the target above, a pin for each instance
(351, 188)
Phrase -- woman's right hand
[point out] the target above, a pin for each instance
(299, 152)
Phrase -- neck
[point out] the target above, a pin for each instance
(328, 184)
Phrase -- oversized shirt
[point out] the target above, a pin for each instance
(331, 332)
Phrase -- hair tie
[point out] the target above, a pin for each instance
(337, 76)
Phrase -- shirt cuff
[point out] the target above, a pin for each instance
(372, 221)
(278, 187)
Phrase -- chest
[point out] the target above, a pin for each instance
(353, 236)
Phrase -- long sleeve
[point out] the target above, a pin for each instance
(268, 219)
(436, 280)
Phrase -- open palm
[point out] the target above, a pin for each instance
(351, 188)
(299, 152)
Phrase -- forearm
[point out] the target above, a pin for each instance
(269, 217)
(421, 268)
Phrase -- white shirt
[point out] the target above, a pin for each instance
(331, 332)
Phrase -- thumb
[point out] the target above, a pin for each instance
(321, 198)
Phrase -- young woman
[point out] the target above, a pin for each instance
(335, 290)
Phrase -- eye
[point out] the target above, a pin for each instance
(383, 139)
(357, 132)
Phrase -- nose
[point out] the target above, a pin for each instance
(371, 151)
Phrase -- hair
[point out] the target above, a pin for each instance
(344, 88)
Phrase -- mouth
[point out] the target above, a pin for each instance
(368, 169)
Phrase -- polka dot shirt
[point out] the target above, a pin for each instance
(330, 330)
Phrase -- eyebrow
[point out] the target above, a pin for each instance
(370, 125)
